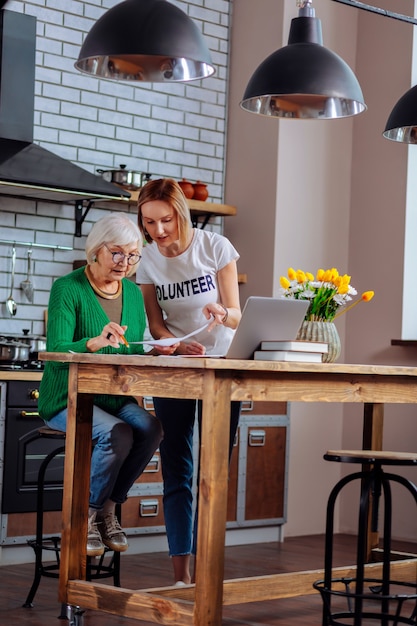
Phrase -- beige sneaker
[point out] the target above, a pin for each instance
(95, 545)
(112, 533)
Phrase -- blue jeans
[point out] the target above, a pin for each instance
(178, 417)
(123, 446)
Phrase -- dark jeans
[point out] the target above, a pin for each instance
(123, 446)
(178, 418)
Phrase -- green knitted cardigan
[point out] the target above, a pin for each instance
(74, 317)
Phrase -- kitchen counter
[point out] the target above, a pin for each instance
(20, 375)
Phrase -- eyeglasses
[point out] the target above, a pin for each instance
(119, 257)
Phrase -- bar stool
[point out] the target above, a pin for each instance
(97, 567)
(358, 598)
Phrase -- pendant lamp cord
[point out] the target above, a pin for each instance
(372, 9)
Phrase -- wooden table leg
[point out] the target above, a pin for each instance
(76, 485)
(373, 426)
(212, 513)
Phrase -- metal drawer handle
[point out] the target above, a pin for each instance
(153, 465)
(149, 508)
(246, 405)
(148, 403)
(29, 413)
(257, 438)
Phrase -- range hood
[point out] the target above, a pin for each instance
(26, 169)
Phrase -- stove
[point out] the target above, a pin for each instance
(24, 451)
(26, 366)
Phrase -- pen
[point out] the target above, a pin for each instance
(123, 338)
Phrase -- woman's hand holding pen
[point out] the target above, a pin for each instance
(112, 335)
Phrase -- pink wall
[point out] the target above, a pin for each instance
(325, 193)
(377, 223)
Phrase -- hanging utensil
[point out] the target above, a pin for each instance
(27, 285)
(11, 305)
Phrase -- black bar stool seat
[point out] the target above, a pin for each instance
(354, 600)
(97, 567)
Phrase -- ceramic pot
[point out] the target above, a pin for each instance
(187, 188)
(200, 191)
(322, 331)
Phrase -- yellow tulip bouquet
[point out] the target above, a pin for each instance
(327, 292)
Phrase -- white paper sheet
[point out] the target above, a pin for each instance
(170, 341)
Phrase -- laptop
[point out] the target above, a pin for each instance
(266, 319)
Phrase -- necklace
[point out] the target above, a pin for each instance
(100, 292)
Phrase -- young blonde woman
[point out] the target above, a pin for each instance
(188, 278)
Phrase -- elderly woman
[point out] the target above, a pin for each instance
(97, 309)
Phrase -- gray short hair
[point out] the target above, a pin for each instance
(112, 229)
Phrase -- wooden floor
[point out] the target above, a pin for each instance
(152, 570)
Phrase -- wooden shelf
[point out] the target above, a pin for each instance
(197, 208)
(410, 343)
(211, 207)
(201, 212)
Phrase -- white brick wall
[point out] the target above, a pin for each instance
(173, 130)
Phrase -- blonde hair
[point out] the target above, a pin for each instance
(113, 229)
(169, 191)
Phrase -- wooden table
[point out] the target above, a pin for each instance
(216, 382)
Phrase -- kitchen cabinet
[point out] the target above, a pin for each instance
(19, 527)
(259, 467)
(143, 511)
(257, 491)
(20, 456)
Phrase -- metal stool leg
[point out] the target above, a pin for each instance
(328, 550)
(394, 607)
(38, 544)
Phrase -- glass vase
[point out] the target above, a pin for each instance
(322, 331)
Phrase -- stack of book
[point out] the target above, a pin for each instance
(307, 351)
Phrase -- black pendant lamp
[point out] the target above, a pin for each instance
(148, 41)
(402, 122)
(304, 80)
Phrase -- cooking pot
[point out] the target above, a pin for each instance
(36, 343)
(11, 350)
(126, 178)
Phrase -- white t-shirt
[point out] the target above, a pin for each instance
(186, 283)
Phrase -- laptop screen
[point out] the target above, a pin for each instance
(266, 319)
